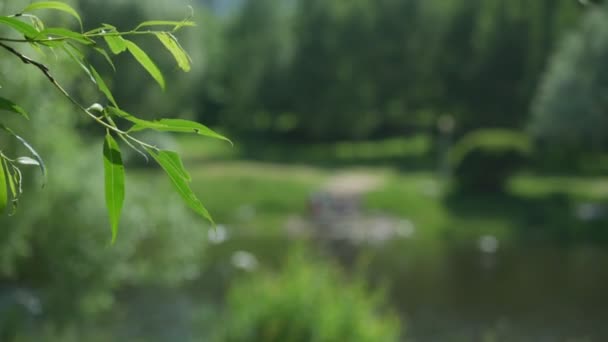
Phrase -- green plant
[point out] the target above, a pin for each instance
(483, 160)
(308, 301)
(27, 28)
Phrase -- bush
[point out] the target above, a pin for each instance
(482, 161)
(306, 302)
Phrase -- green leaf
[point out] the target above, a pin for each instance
(176, 24)
(171, 163)
(171, 43)
(78, 57)
(146, 62)
(12, 183)
(177, 125)
(105, 55)
(114, 171)
(63, 33)
(26, 29)
(117, 44)
(30, 148)
(12, 107)
(173, 159)
(102, 86)
(27, 161)
(55, 5)
(3, 189)
(167, 125)
(37, 22)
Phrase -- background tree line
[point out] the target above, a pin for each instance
(327, 70)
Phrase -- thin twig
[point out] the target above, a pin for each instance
(45, 70)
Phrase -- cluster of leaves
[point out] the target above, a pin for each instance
(28, 28)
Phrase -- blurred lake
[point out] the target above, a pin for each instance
(454, 291)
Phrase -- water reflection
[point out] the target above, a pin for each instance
(478, 290)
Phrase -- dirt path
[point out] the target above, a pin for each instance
(337, 212)
(353, 184)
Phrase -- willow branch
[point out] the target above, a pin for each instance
(45, 70)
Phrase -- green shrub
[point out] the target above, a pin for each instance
(482, 161)
(308, 301)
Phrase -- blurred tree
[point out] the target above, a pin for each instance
(250, 82)
(570, 106)
(327, 70)
(497, 50)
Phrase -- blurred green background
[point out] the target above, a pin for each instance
(403, 170)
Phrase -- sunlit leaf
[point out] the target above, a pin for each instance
(167, 125)
(102, 86)
(146, 62)
(114, 171)
(173, 159)
(3, 189)
(12, 107)
(58, 32)
(171, 43)
(27, 161)
(26, 29)
(117, 44)
(55, 5)
(177, 125)
(171, 163)
(176, 24)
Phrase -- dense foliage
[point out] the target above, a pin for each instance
(34, 32)
(306, 302)
(570, 105)
(327, 70)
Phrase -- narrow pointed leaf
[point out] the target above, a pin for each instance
(30, 148)
(78, 57)
(114, 171)
(26, 29)
(167, 125)
(38, 24)
(17, 177)
(177, 125)
(105, 55)
(27, 161)
(117, 44)
(146, 62)
(13, 185)
(3, 189)
(171, 44)
(58, 32)
(102, 86)
(12, 107)
(9, 178)
(176, 24)
(55, 5)
(171, 163)
(174, 161)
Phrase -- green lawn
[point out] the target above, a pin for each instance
(258, 197)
